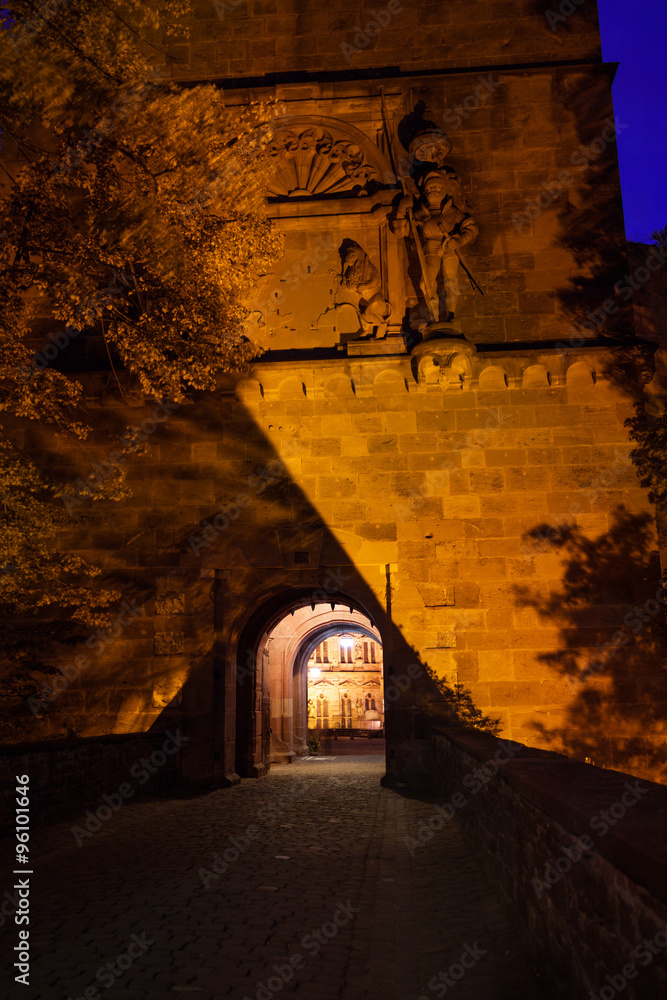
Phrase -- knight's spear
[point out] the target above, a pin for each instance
(431, 293)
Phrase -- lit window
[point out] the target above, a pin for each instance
(346, 650)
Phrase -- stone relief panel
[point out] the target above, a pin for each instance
(360, 275)
(316, 160)
(373, 242)
(292, 306)
(329, 287)
(331, 191)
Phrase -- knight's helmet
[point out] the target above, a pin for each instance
(450, 183)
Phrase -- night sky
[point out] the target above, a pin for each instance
(634, 33)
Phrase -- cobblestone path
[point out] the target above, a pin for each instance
(313, 893)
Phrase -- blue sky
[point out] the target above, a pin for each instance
(634, 33)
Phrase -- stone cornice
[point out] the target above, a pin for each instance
(288, 86)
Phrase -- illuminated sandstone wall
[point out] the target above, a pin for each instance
(535, 152)
(430, 488)
(467, 500)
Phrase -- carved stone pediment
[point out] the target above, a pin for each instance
(315, 157)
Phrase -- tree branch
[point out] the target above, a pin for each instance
(135, 31)
(70, 45)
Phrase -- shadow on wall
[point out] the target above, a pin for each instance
(168, 551)
(566, 17)
(613, 602)
(579, 207)
(640, 372)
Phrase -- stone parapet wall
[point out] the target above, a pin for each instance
(579, 851)
(74, 776)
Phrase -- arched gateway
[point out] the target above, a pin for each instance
(272, 655)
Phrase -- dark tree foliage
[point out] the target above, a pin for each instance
(610, 610)
(132, 212)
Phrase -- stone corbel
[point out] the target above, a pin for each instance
(442, 362)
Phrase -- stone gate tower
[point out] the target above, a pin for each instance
(438, 406)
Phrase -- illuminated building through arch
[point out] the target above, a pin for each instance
(345, 683)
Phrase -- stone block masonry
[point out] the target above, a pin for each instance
(251, 38)
(471, 586)
(579, 851)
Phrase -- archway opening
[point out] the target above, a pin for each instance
(277, 676)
